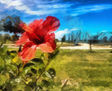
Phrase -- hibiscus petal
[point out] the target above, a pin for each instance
(28, 52)
(26, 28)
(33, 36)
(30, 30)
(51, 24)
(36, 24)
(46, 47)
(23, 39)
(49, 45)
(50, 38)
(26, 37)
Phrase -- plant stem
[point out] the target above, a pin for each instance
(43, 71)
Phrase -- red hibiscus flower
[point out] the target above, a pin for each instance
(40, 34)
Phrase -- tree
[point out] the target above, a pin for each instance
(110, 39)
(93, 39)
(6, 37)
(1, 38)
(77, 38)
(11, 24)
(69, 38)
(63, 39)
(14, 38)
(105, 39)
(74, 37)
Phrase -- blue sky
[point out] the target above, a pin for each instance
(85, 15)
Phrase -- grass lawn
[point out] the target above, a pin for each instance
(85, 71)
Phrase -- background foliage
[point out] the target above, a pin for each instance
(33, 76)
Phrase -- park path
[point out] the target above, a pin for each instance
(82, 47)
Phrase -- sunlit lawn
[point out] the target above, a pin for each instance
(85, 71)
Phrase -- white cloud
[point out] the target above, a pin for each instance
(61, 33)
(19, 5)
(74, 29)
(90, 8)
(104, 31)
(55, 6)
(38, 7)
(14, 3)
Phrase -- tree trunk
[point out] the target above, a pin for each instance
(90, 46)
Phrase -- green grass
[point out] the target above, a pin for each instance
(85, 71)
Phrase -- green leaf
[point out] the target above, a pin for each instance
(29, 74)
(28, 80)
(52, 72)
(1, 64)
(12, 67)
(48, 75)
(28, 88)
(37, 60)
(32, 84)
(3, 79)
(8, 87)
(38, 88)
(54, 54)
(7, 59)
(34, 70)
(29, 65)
(40, 71)
(3, 50)
(15, 59)
(8, 52)
(12, 54)
(19, 87)
(45, 83)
